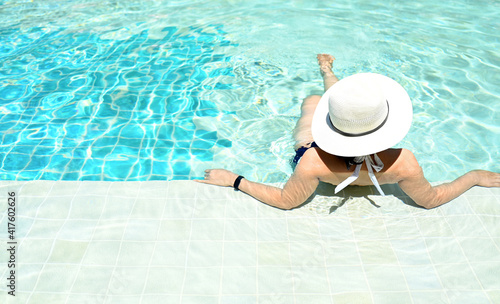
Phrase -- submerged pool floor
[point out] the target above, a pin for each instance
(184, 242)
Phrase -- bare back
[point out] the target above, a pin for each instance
(332, 169)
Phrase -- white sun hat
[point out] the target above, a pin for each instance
(361, 115)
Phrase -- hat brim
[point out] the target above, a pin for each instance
(395, 128)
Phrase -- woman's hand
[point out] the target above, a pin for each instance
(487, 178)
(219, 177)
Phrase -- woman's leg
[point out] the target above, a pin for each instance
(325, 62)
(302, 132)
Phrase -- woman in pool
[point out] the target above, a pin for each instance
(345, 137)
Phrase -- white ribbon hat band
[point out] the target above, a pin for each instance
(378, 165)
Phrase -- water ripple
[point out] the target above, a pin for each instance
(162, 89)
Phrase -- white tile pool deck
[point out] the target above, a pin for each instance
(184, 242)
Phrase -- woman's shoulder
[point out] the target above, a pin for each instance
(405, 163)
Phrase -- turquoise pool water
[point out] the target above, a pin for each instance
(154, 90)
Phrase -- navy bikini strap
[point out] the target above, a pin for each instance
(300, 152)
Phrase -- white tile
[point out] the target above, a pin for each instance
(491, 223)
(494, 296)
(240, 229)
(433, 226)
(422, 277)
(487, 274)
(385, 278)
(86, 207)
(457, 277)
(307, 254)
(392, 297)
(273, 253)
(369, 228)
(272, 229)
(27, 249)
(34, 188)
(117, 208)
(178, 208)
(202, 281)
(209, 208)
(313, 298)
(468, 296)
(275, 280)
(345, 279)
(240, 254)
(377, 252)
(480, 249)
(148, 208)
(93, 280)
(183, 189)
(141, 230)
(127, 281)
(445, 250)
(239, 281)
(93, 188)
(155, 240)
(240, 299)
(101, 253)
(28, 207)
(332, 229)
(165, 280)
(170, 254)
(204, 254)
(124, 189)
(45, 228)
(302, 229)
(174, 230)
(402, 228)
(466, 226)
(64, 251)
(425, 297)
(353, 297)
(26, 275)
(160, 298)
(153, 190)
(341, 253)
(310, 280)
(56, 278)
(411, 251)
(78, 230)
(194, 299)
(135, 253)
(109, 229)
(207, 229)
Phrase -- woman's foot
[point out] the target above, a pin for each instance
(325, 62)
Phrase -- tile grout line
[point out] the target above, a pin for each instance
(323, 250)
(92, 237)
(53, 241)
(290, 258)
(156, 242)
(106, 297)
(490, 238)
(463, 252)
(222, 253)
(397, 258)
(359, 256)
(428, 255)
(188, 245)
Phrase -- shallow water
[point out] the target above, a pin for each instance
(142, 90)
